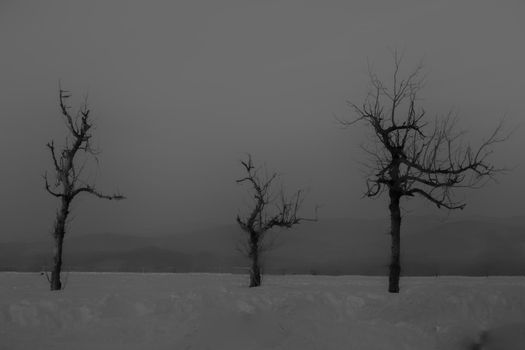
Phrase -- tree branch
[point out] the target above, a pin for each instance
(437, 202)
(51, 146)
(48, 188)
(93, 191)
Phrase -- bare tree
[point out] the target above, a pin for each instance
(411, 156)
(67, 180)
(270, 210)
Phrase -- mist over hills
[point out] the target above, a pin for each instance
(478, 246)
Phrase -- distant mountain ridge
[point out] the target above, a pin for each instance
(334, 246)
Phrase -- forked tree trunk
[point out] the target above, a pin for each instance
(395, 230)
(60, 229)
(255, 269)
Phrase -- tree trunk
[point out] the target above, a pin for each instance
(60, 230)
(395, 230)
(255, 270)
(55, 283)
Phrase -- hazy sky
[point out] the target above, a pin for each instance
(180, 90)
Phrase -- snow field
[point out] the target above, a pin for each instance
(218, 311)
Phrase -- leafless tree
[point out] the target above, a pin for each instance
(67, 182)
(411, 156)
(270, 210)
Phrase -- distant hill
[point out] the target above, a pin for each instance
(336, 246)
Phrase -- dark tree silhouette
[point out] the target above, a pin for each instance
(269, 210)
(67, 181)
(411, 156)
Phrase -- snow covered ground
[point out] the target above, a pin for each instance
(218, 311)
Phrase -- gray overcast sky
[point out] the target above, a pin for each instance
(180, 90)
